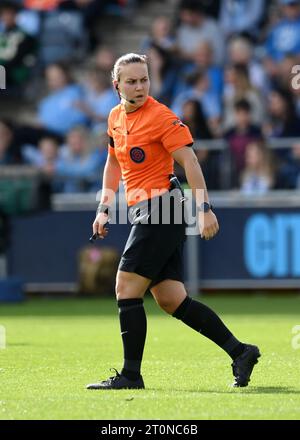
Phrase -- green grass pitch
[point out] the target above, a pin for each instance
(55, 347)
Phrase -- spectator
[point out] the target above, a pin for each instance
(91, 11)
(193, 116)
(194, 28)
(199, 90)
(98, 100)
(211, 8)
(160, 35)
(289, 173)
(45, 158)
(237, 87)
(163, 73)
(240, 135)
(240, 51)
(41, 5)
(285, 76)
(17, 49)
(62, 37)
(79, 166)
(241, 17)
(202, 59)
(105, 59)
(284, 37)
(57, 111)
(8, 154)
(294, 86)
(283, 120)
(258, 176)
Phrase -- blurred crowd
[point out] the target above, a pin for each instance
(227, 68)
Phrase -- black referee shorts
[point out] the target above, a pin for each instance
(155, 251)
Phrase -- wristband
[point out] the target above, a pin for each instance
(103, 208)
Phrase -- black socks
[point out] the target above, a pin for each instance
(133, 325)
(205, 321)
(198, 316)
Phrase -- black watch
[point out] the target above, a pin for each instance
(205, 207)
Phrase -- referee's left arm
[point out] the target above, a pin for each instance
(186, 157)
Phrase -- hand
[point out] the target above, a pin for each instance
(208, 225)
(99, 223)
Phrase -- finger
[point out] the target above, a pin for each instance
(95, 227)
(103, 233)
(210, 233)
(206, 235)
(100, 229)
(217, 227)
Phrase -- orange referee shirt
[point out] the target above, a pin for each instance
(142, 142)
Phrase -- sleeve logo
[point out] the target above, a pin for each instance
(178, 122)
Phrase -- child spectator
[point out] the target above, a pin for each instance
(240, 135)
(258, 176)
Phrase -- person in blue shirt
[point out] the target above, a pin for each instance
(202, 59)
(79, 166)
(241, 16)
(58, 112)
(284, 37)
(200, 91)
(98, 99)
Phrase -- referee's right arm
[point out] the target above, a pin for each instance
(110, 185)
(111, 180)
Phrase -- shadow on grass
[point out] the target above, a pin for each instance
(253, 390)
(231, 305)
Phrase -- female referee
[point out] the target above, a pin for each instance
(145, 139)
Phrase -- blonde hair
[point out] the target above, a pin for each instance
(267, 166)
(129, 58)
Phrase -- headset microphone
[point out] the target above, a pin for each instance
(128, 100)
(131, 101)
